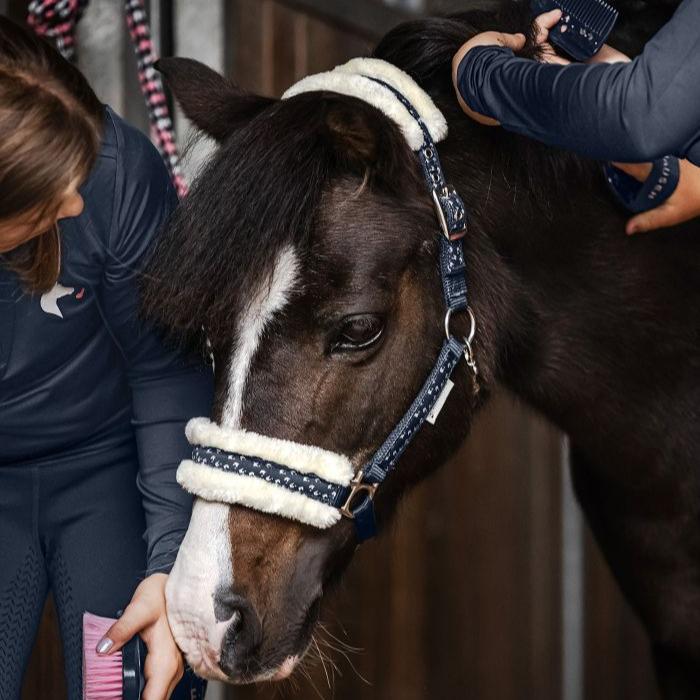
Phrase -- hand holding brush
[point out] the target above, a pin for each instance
(113, 647)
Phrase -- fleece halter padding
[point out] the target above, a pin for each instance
(281, 477)
(358, 78)
(307, 483)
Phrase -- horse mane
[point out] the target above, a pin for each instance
(424, 49)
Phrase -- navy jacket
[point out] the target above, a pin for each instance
(626, 112)
(81, 378)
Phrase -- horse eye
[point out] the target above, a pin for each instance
(358, 333)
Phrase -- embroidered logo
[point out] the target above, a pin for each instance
(49, 300)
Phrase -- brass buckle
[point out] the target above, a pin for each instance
(357, 486)
(446, 191)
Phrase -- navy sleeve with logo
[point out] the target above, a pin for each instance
(627, 112)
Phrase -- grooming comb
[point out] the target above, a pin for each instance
(584, 25)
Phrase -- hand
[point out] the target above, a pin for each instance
(145, 615)
(544, 24)
(516, 42)
(681, 206)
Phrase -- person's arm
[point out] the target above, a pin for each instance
(631, 112)
(166, 391)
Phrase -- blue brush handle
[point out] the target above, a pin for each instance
(133, 659)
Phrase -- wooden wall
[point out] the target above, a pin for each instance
(463, 599)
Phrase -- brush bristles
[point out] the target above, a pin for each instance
(102, 673)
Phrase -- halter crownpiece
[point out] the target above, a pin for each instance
(307, 483)
(375, 81)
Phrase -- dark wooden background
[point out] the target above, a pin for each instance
(463, 599)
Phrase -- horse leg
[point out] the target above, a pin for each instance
(649, 532)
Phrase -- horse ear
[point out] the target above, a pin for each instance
(366, 143)
(211, 102)
(352, 132)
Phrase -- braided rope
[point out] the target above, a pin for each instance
(58, 20)
(152, 89)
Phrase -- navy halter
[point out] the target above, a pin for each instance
(356, 501)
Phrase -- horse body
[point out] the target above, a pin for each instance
(333, 318)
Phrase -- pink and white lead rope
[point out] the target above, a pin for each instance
(58, 19)
(152, 89)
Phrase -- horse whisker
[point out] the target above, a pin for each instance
(323, 662)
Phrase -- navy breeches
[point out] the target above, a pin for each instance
(73, 527)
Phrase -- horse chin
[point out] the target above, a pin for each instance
(273, 675)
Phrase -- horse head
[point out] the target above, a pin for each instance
(308, 251)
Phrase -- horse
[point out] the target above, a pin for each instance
(305, 261)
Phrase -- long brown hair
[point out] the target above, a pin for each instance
(50, 132)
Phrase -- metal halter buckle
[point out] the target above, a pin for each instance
(357, 486)
(446, 191)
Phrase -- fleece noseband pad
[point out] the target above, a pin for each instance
(281, 477)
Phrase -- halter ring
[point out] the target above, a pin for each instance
(472, 325)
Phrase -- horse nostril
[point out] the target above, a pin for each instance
(225, 603)
(243, 635)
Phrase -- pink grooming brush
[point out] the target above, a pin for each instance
(116, 676)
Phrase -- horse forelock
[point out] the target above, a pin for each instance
(259, 198)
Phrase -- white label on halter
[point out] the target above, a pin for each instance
(433, 415)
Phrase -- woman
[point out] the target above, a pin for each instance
(612, 109)
(92, 405)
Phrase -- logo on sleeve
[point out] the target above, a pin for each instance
(49, 300)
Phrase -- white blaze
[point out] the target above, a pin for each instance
(204, 563)
(272, 296)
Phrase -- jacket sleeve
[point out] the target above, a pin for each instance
(166, 390)
(629, 112)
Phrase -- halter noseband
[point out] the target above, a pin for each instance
(304, 482)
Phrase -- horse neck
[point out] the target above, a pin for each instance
(593, 328)
(541, 269)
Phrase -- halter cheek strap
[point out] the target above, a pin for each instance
(306, 483)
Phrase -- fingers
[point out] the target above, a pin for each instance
(683, 205)
(160, 685)
(164, 666)
(661, 217)
(543, 23)
(549, 55)
(516, 42)
(136, 616)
